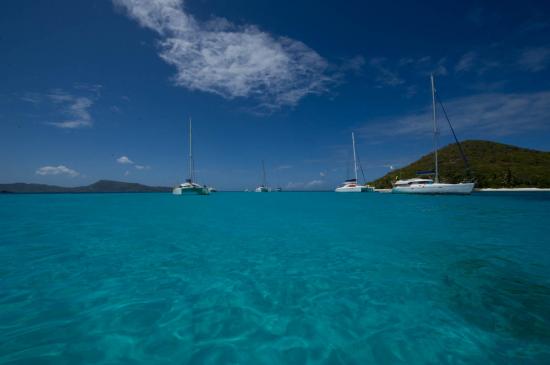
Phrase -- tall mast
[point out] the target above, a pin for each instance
(191, 177)
(264, 182)
(435, 129)
(354, 156)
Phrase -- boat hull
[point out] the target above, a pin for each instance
(435, 188)
(190, 191)
(261, 189)
(354, 189)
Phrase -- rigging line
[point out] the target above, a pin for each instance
(462, 154)
(361, 168)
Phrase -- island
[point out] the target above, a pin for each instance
(492, 166)
(101, 186)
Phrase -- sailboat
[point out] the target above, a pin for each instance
(262, 188)
(190, 186)
(351, 185)
(429, 186)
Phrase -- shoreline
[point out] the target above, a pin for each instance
(512, 189)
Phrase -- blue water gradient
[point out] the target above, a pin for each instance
(280, 278)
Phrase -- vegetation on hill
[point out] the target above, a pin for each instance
(493, 165)
(101, 186)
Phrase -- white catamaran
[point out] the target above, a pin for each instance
(351, 185)
(429, 186)
(262, 188)
(190, 186)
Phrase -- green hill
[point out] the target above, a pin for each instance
(493, 165)
(101, 186)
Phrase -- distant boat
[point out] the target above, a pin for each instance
(429, 186)
(262, 188)
(351, 185)
(212, 190)
(190, 186)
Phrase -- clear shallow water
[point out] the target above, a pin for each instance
(281, 278)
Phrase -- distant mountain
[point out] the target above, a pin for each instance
(493, 165)
(101, 186)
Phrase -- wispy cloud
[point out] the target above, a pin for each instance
(314, 183)
(30, 97)
(230, 60)
(124, 160)
(77, 109)
(385, 76)
(354, 64)
(310, 185)
(535, 59)
(142, 167)
(490, 114)
(283, 167)
(466, 62)
(56, 170)
(73, 107)
(405, 72)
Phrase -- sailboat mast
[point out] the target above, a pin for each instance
(191, 177)
(354, 156)
(264, 182)
(435, 129)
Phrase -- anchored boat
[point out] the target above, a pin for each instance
(262, 188)
(351, 185)
(190, 186)
(429, 186)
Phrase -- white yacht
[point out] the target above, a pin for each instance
(429, 186)
(351, 185)
(262, 188)
(190, 186)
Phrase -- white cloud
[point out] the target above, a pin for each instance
(322, 174)
(489, 114)
(76, 108)
(230, 60)
(56, 170)
(535, 59)
(124, 160)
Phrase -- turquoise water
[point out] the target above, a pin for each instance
(281, 278)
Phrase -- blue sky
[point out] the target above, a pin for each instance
(103, 89)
